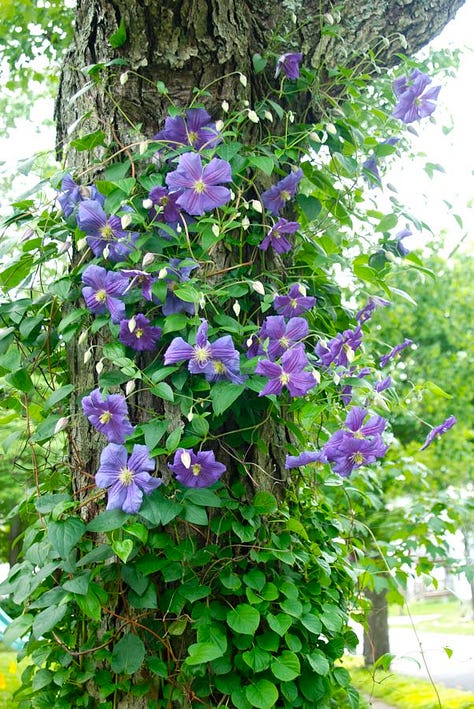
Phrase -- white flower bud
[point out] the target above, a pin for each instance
(225, 106)
(130, 387)
(99, 367)
(403, 40)
(61, 424)
(291, 116)
(252, 116)
(87, 355)
(162, 273)
(124, 78)
(106, 251)
(257, 205)
(302, 289)
(258, 287)
(202, 302)
(245, 223)
(243, 79)
(190, 416)
(148, 259)
(81, 244)
(328, 18)
(236, 308)
(147, 203)
(268, 116)
(331, 128)
(186, 459)
(316, 375)
(219, 125)
(215, 230)
(142, 148)
(126, 220)
(386, 42)
(82, 337)
(132, 323)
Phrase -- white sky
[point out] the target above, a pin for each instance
(427, 199)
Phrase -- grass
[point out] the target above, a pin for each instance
(10, 673)
(448, 616)
(405, 692)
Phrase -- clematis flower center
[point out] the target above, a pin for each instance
(196, 469)
(138, 333)
(107, 232)
(105, 417)
(276, 235)
(192, 137)
(126, 477)
(294, 303)
(199, 186)
(284, 342)
(101, 296)
(358, 458)
(219, 367)
(285, 195)
(284, 378)
(201, 354)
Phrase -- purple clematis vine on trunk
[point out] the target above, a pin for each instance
(138, 334)
(275, 198)
(275, 237)
(295, 303)
(126, 479)
(196, 129)
(289, 63)
(415, 99)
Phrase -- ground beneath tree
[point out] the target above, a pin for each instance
(377, 704)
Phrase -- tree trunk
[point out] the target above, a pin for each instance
(376, 635)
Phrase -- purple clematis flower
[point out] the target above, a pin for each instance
(439, 431)
(164, 207)
(196, 129)
(282, 335)
(305, 457)
(126, 479)
(385, 359)
(138, 334)
(72, 193)
(414, 102)
(370, 167)
(204, 356)
(346, 453)
(196, 469)
(104, 233)
(108, 415)
(295, 303)
(357, 444)
(383, 384)
(142, 278)
(102, 290)
(278, 195)
(290, 373)
(372, 304)
(178, 274)
(275, 236)
(200, 186)
(340, 350)
(289, 63)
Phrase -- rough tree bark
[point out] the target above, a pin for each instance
(206, 43)
(376, 639)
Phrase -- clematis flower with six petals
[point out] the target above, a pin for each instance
(200, 185)
(126, 478)
(109, 415)
(102, 291)
(415, 99)
(290, 373)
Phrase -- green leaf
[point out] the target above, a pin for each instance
(64, 535)
(107, 521)
(286, 666)
(279, 623)
(319, 662)
(203, 652)
(153, 432)
(312, 623)
(243, 619)
(79, 584)
(263, 163)
(123, 548)
(257, 659)
(118, 38)
(89, 141)
(58, 396)
(20, 380)
(291, 606)
(264, 503)
(163, 391)
(310, 206)
(259, 63)
(195, 515)
(262, 694)
(17, 628)
(331, 617)
(159, 510)
(47, 619)
(223, 395)
(172, 442)
(202, 496)
(388, 222)
(255, 579)
(89, 605)
(128, 655)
